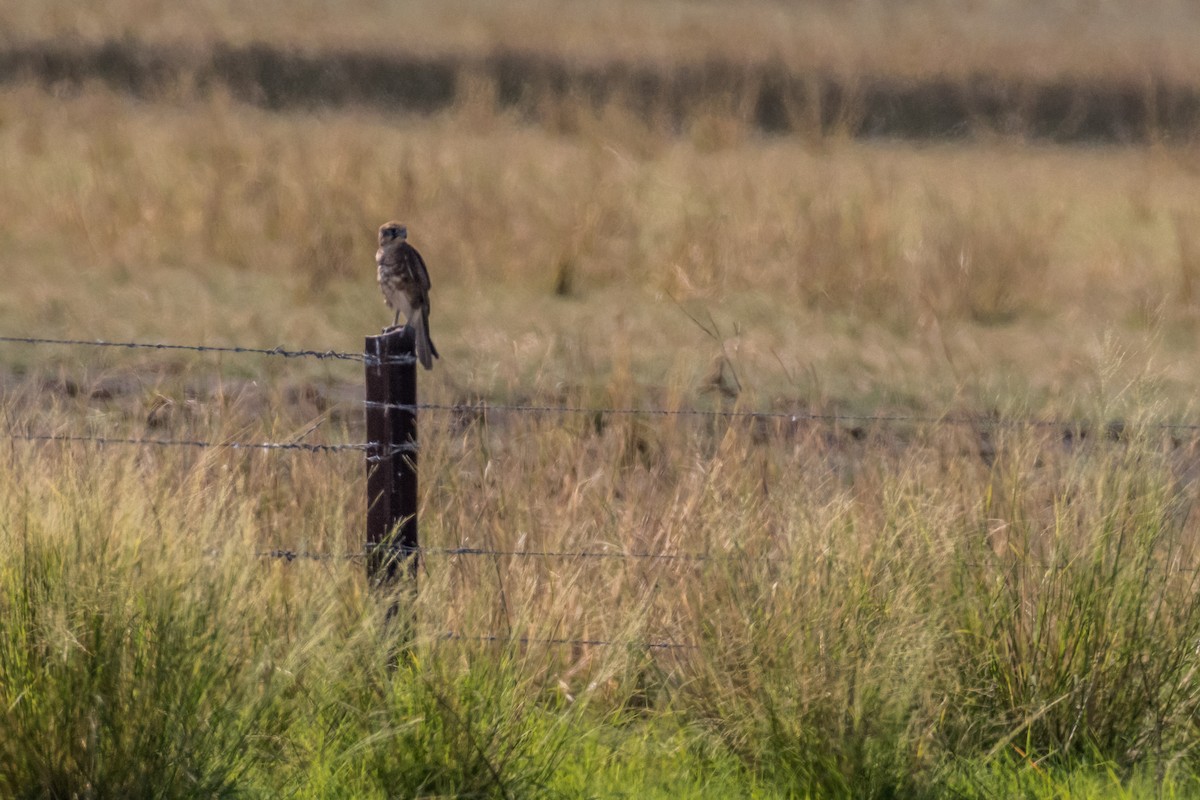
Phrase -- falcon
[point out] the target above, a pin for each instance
(405, 285)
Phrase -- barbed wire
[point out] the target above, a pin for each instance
(452, 636)
(298, 555)
(581, 554)
(372, 447)
(1111, 428)
(273, 351)
(794, 416)
(293, 555)
(308, 555)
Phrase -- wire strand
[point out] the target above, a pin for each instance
(584, 554)
(201, 444)
(464, 408)
(452, 636)
(307, 555)
(790, 416)
(273, 351)
(298, 555)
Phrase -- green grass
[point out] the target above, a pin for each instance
(903, 630)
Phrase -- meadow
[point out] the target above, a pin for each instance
(968, 566)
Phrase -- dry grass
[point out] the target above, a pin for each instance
(838, 276)
(1064, 38)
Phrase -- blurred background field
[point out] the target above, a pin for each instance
(848, 275)
(641, 205)
(928, 37)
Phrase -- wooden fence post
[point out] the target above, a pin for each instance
(392, 542)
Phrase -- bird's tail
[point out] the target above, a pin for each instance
(426, 352)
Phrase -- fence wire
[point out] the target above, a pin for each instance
(388, 451)
(451, 636)
(526, 640)
(1111, 428)
(308, 555)
(792, 417)
(403, 552)
(581, 554)
(273, 351)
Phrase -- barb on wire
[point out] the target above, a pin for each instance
(789, 416)
(457, 637)
(479, 551)
(389, 450)
(307, 555)
(272, 351)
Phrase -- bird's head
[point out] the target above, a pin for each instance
(392, 231)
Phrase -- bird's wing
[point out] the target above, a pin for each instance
(415, 266)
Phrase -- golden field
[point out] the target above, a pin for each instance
(1056, 38)
(838, 276)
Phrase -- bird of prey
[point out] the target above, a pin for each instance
(405, 284)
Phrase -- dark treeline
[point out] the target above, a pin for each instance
(767, 96)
